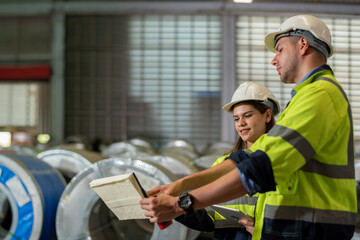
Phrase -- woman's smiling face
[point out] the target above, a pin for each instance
(250, 124)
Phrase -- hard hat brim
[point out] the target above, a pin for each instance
(229, 106)
(270, 40)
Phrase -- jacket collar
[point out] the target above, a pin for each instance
(309, 78)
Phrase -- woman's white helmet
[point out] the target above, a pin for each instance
(308, 23)
(252, 91)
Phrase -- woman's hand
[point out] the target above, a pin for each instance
(248, 224)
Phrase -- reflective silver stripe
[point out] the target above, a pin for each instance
(310, 214)
(294, 138)
(223, 223)
(329, 170)
(248, 200)
(244, 200)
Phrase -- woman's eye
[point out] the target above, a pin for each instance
(236, 119)
(248, 115)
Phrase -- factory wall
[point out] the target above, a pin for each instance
(156, 70)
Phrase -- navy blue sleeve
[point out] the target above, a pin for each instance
(238, 156)
(198, 220)
(256, 169)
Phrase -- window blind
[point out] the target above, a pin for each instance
(25, 42)
(154, 76)
(19, 104)
(96, 77)
(175, 71)
(254, 59)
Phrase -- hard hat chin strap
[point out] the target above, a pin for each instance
(313, 41)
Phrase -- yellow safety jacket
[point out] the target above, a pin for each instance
(245, 204)
(210, 221)
(304, 166)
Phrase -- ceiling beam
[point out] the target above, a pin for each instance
(68, 8)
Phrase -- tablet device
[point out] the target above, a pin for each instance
(229, 213)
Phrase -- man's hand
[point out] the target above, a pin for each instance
(173, 189)
(157, 190)
(161, 208)
(248, 224)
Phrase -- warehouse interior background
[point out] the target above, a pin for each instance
(98, 73)
(111, 70)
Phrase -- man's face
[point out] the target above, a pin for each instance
(286, 60)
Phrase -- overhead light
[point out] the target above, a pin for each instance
(243, 1)
(5, 139)
(43, 138)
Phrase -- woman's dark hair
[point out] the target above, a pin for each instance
(262, 109)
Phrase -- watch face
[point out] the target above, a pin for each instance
(185, 201)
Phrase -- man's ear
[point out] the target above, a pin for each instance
(303, 45)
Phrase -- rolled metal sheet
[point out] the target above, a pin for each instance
(143, 145)
(81, 213)
(69, 161)
(178, 143)
(79, 142)
(181, 154)
(175, 165)
(357, 177)
(32, 189)
(21, 150)
(357, 147)
(356, 236)
(121, 149)
(134, 155)
(357, 169)
(180, 148)
(219, 148)
(206, 161)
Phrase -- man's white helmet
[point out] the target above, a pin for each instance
(302, 22)
(252, 91)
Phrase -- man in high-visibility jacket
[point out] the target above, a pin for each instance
(304, 167)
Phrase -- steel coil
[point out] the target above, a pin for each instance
(82, 214)
(69, 161)
(32, 189)
(175, 165)
(205, 162)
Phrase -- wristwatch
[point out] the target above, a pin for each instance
(186, 202)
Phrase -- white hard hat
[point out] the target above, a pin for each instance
(252, 91)
(309, 23)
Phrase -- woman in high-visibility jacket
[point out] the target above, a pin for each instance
(253, 107)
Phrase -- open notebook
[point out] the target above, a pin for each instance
(121, 194)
